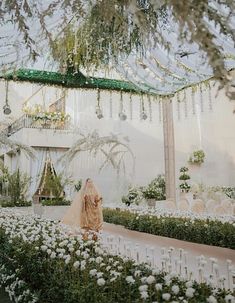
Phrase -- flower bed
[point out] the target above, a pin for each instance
(59, 267)
(205, 231)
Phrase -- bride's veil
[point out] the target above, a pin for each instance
(73, 215)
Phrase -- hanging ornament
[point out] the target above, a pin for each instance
(122, 115)
(150, 109)
(201, 98)
(6, 107)
(185, 104)
(210, 97)
(98, 110)
(131, 107)
(160, 110)
(110, 105)
(193, 101)
(143, 115)
(178, 105)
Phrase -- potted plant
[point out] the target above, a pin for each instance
(184, 186)
(134, 196)
(155, 191)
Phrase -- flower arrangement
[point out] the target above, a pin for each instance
(38, 114)
(184, 186)
(156, 189)
(197, 157)
(53, 117)
(134, 196)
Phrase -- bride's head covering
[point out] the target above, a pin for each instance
(90, 188)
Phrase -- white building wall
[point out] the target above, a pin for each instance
(207, 125)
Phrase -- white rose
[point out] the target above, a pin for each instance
(101, 282)
(166, 297)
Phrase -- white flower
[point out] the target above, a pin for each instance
(189, 284)
(99, 274)
(144, 295)
(190, 292)
(150, 280)
(229, 299)
(101, 281)
(143, 288)
(130, 280)
(158, 286)
(175, 289)
(211, 299)
(44, 247)
(143, 280)
(53, 255)
(92, 272)
(76, 264)
(166, 296)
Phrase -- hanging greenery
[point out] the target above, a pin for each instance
(98, 34)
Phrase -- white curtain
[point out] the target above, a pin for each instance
(55, 155)
(36, 170)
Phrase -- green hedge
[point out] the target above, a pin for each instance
(199, 231)
(11, 203)
(55, 202)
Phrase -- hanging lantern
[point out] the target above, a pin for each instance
(122, 115)
(6, 107)
(98, 110)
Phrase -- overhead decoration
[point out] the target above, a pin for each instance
(143, 115)
(122, 115)
(6, 107)
(160, 46)
(98, 111)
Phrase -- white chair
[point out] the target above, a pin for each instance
(227, 205)
(220, 210)
(211, 205)
(183, 205)
(198, 206)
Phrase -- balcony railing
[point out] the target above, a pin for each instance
(28, 121)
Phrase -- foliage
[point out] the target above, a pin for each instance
(55, 202)
(59, 267)
(55, 185)
(197, 157)
(184, 186)
(156, 189)
(196, 230)
(14, 185)
(134, 196)
(17, 289)
(20, 203)
(78, 185)
(54, 117)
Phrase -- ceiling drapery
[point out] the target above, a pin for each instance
(165, 72)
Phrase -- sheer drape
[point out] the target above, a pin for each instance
(60, 169)
(36, 170)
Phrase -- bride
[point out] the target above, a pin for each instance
(86, 210)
